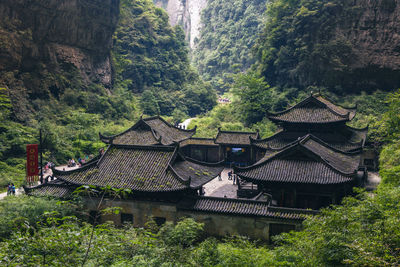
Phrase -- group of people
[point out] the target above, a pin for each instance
(10, 189)
(72, 162)
(232, 176)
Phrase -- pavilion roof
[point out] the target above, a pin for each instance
(235, 138)
(55, 188)
(150, 131)
(242, 207)
(143, 169)
(307, 160)
(314, 109)
(345, 139)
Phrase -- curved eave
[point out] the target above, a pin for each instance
(277, 120)
(86, 166)
(133, 190)
(257, 181)
(300, 144)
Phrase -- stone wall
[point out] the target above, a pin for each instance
(214, 224)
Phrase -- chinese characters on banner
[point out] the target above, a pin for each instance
(32, 166)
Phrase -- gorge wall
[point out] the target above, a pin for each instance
(186, 13)
(47, 46)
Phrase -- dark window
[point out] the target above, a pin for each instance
(159, 220)
(126, 218)
(276, 229)
(368, 162)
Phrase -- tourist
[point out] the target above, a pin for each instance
(230, 175)
(12, 189)
(219, 177)
(9, 189)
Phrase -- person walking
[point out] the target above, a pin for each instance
(13, 189)
(230, 175)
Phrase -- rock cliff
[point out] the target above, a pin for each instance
(186, 13)
(47, 46)
(375, 34)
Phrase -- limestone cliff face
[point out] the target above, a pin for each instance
(375, 33)
(186, 13)
(44, 44)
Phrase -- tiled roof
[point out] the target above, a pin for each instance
(150, 131)
(305, 161)
(235, 138)
(346, 139)
(136, 137)
(242, 207)
(169, 133)
(199, 174)
(199, 141)
(52, 189)
(314, 109)
(142, 169)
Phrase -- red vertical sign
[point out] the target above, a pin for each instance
(32, 166)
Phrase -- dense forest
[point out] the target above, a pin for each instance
(304, 46)
(229, 32)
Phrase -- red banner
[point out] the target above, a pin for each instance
(32, 166)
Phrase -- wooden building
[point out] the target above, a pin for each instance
(314, 160)
(166, 186)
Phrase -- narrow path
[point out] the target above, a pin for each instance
(186, 123)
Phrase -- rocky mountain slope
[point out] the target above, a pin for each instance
(47, 46)
(186, 13)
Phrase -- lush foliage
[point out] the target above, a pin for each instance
(307, 43)
(20, 210)
(230, 29)
(151, 57)
(227, 117)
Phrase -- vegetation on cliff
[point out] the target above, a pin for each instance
(325, 44)
(230, 29)
(151, 58)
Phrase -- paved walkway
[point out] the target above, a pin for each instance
(224, 188)
(186, 123)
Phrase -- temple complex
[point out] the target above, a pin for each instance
(314, 160)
